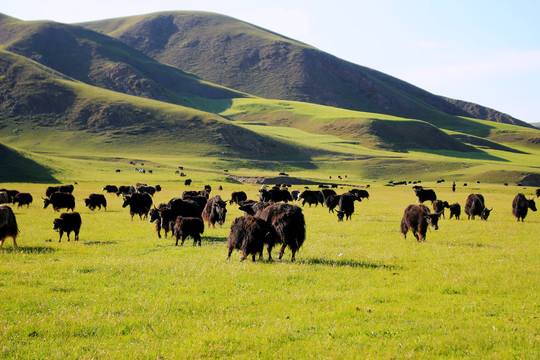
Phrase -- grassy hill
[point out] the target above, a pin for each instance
(105, 62)
(243, 56)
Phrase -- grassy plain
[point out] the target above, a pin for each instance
(357, 290)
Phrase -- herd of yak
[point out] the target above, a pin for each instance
(269, 221)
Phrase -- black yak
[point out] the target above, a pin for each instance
(455, 210)
(238, 197)
(96, 201)
(68, 222)
(475, 205)
(215, 211)
(417, 218)
(8, 225)
(289, 224)
(425, 194)
(521, 205)
(139, 204)
(23, 199)
(311, 197)
(188, 226)
(439, 206)
(249, 234)
(346, 206)
(60, 200)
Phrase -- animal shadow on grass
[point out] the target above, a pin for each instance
(214, 239)
(349, 263)
(29, 250)
(99, 243)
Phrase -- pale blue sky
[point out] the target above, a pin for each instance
(487, 52)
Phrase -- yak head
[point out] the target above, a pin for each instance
(340, 215)
(127, 201)
(485, 213)
(433, 220)
(58, 223)
(532, 205)
(46, 202)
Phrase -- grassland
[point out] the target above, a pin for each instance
(357, 290)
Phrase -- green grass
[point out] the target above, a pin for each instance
(357, 290)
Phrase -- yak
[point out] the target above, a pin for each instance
(188, 226)
(439, 206)
(238, 197)
(8, 225)
(68, 222)
(417, 219)
(425, 194)
(96, 201)
(475, 205)
(290, 226)
(214, 211)
(23, 199)
(139, 204)
(521, 205)
(60, 200)
(249, 234)
(455, 210)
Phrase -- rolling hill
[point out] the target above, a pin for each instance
(242, 56)
(69, 92)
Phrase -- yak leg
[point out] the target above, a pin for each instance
(244, 256)
(282, 251)
(76, 236)
(269, 249)
(229, 254)
(293, 259)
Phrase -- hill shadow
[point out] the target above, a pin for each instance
(18, 168)
(348, 263)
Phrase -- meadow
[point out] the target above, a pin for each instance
(357, 289)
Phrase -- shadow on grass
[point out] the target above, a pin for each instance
(472, 245)
(29, 250)
(348, 263)
(99, 243)
(214, 239)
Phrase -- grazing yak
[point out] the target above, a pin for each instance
(68, 222)
(439, 206)
(249, 234)
(238, 197)
(139, 204)
(146, 189)
(521, 205)
(155, 216)
(475, 205)
(332, 202)
(360, 193)
(110, 188)
(8, 225)
(188, 226)
(215, 211)
(125, 190)
(68, 189)
(275, 195)
(23, 199)
(424, 194)
(346, 206)
(311, 197)
(60, 200)
(289, 224)
(96, 201)
(295, 193)
(455, 210)
(178, 207)
(417, 218)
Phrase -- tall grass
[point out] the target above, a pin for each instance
(357, 290)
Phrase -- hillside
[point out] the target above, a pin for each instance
(242, 56)
(40, 110)
(105, 62)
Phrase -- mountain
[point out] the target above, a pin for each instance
(242, 56)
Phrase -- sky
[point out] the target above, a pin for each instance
(483, 51)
